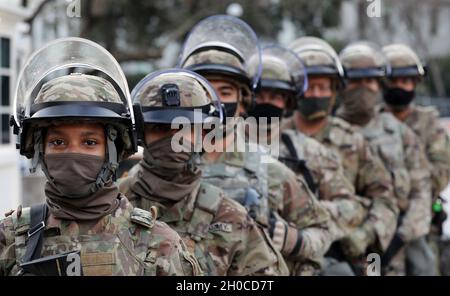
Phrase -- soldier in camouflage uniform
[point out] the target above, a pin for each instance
(364, 169)
(224, 238)
(264, 185)
(283, 79)
(395, 143)
(77, 127)
(325, 176)
(406, 72)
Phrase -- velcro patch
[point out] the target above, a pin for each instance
(144, 218)
(98, 264)
(219, 226)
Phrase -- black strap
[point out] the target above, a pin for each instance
(300, 164)
(298, 244)
(38, 217)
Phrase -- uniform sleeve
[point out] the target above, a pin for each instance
(417, 218)
(336, 193)
(375, 183)
(438, 152)
(7, 249)
(295, 203)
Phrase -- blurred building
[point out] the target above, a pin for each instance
(424, 25)
(12, 14)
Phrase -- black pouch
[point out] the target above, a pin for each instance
(67, 264)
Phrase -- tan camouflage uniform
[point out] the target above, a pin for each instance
(424, 121)
(333, 189)
(277, 185)
(368, 174)
(117, 244)
(403, 156)
(218, 230)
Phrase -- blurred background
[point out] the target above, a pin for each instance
(145, 35)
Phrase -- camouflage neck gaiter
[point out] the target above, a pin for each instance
(70, 193)
(166, 175)
(358, 105)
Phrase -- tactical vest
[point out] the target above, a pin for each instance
(243, 177)
(384, 135)
(201, 226)
(122, 249)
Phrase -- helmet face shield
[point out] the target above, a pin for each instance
(168, 94)
(221, 44)
(282, 69)
(319, 58)
(63, 57)
(403, 61)
(71, 80)
(364, 60)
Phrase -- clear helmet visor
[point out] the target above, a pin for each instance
(363, 54)
(402, 56)
(281, 65)
(63, 57)
(317, 54)
(226, 33)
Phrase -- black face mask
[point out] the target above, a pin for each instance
(266, 111)
(230, 109)
(313, 108)
(398, 97)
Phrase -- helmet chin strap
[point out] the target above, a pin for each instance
(106, 173)
(111, 162)
(38, 155)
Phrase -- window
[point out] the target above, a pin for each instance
(5, 91)
(4, 88)
(5, 129)
(5, 52)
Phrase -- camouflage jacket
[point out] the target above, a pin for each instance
(334, 191)
(404, 157)
(281, 191)
(117, 244)
(367, 173)
(218, 230)
(424, 121)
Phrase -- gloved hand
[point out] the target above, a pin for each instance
(286, 238)
(396, 244)
(355, 245)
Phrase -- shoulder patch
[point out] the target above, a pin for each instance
(209, 198)
(221, 227)
(144, 218)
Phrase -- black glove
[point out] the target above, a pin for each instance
(396, 244)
